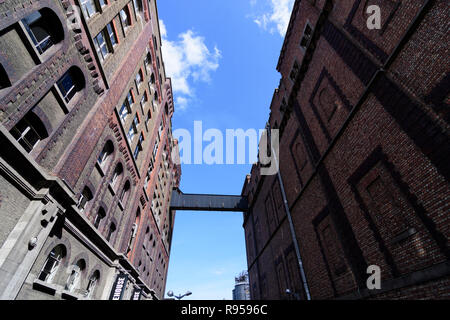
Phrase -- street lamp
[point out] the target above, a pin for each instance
(179, 297)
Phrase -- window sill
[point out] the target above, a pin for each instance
(99, 168)
(70, 296)
(111, 189)
(45, 287)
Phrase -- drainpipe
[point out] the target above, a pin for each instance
(289, 217)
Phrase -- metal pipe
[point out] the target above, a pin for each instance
(289, 217)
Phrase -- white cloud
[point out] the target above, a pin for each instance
(276, 18)
(187, 60)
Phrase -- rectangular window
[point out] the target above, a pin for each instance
(111, 33)
(88, 7)
(131, 132)
(306, 36)
(101, 45)
(66, 86)
(125, 18)
(102, 3)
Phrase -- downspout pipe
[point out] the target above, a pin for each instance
(289, 217)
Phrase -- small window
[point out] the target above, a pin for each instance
(125, 190)
(101, 45)
(89, 7)
(139, 78)
(138, 5)
(106, 152)
(70, 83)
(117, 173)
(144, 99)
(148, 60)
(85, 197)
(52, 263)
(29, 131)
(307, 33)
(92, 283)
(111, 230)
(294, 72)
(126, 107)
(111, 33)
(99, 217)
(102, 3)
(75, 275)
(125, 18)
(133, 129)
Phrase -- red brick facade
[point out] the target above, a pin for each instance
(364, 153)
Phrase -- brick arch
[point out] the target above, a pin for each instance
(62, 241)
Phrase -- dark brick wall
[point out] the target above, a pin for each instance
(362, 156)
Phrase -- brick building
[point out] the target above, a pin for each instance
(86, 172)
(364, 156)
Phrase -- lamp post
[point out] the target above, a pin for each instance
(179, 297)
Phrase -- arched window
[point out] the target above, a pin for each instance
(70, 83)
(44, 28)
(75, 275)
(125, 191)
(134, 229)
(4, 79)
(116, 175)
(98, 218)
(93, 280)
(29, 131)
(85, 197)
(148, 60)
(106, 152)
(52, 263)
(112, 228)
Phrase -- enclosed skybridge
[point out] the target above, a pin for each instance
(207, 202)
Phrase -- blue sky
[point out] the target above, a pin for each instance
(222, 57)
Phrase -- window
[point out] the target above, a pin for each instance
(102, 3)
(126, 107)
(74, 277)
(52, 263)
(148, 60)
(85, 197)
(144, 100)
(139, 78)
(138, 147)
(101, 45)
(111, 34)
(137, 5)
(125, 18)
(307, 33)
(44, 28)
(125, 191)
(133, 129)
(149, 116)
(117, 173)
(112, 228)
(70, 83)
(89, 7)
(29, 131)
(107, 150)
(294, 71)
(98, 218)
(93, 280)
